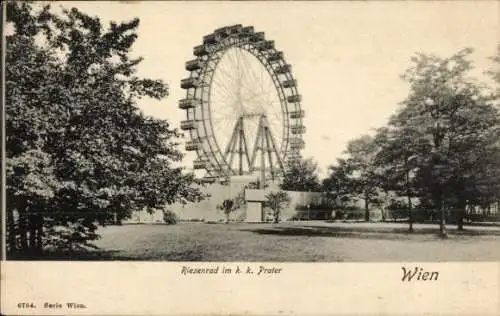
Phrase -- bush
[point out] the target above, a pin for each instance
(169, 217)
(315, 206)
(349, 214)
(194, 220)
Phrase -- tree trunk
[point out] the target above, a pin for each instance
(367, 210)
(442, 224)
(461, 215)
(32, 229)
(410, 211)
(39, 234)
(442, 219)
(11, 230)
(460, 219)
(23, 229)
(23, 232)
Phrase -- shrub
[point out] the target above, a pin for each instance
(320, 206)
(169, 217)
(276, 201)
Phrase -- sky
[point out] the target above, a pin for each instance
(347, 57)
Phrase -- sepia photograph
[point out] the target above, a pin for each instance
(250, 158)
(183, 131)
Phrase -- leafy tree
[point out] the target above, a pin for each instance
(337, 185)
(79, 150)
(277, 201)
(301, 176)
(364, 179)
(455, 129)
(495, 72)
(397, 158)
(169, 217)
(227, 207)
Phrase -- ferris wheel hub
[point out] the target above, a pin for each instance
(252, 114)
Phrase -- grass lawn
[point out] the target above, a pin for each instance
(297, 241)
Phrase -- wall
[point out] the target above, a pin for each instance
(206, 210)
(253, 212)
(298, 199)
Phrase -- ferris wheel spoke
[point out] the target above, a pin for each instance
(243, 63)
(223, 115)
(267, 86)
(223, 110)
(225, 80)
(261, 104)
(225, 131)
(261, 80)
(221, 93)
(239, 66)
(249, 94)
(251, 70)
(274, 106)
(228, 74)
(222, 102)
(276, 128)
(245, 83)
(247, 68)
(277, 117)
(255, 125)
(251, 74)
(273, 100)
(256, 106)
(249, 87)
(254, 97)
(233, 65)
(268, 94)
(225, 75)
(275, 124)
(233, 62)
(225, 126)
(259, 95)
(222, 89)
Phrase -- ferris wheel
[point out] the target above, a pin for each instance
(243, 109)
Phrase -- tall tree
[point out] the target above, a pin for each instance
(337, 185)
(301, 176)
(456, 128)
(364, 179)
(277, 201)
(79, 150)
(495, 71)
(398, 157)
